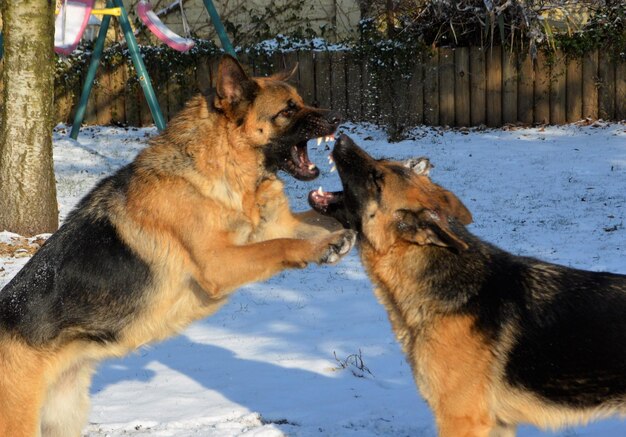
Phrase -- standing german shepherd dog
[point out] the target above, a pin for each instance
(159, 244)
(494, 340)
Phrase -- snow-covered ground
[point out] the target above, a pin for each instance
(271, 362)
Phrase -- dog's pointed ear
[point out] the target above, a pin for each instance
(427, 227)
(285, 75)
(456, 209)
(420, 166)
(232, 81)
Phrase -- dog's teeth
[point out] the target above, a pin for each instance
(311, 166)
(333, 169)
(332, 137)
(320, 191)
(319, 140)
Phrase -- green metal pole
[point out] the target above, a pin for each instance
(1, 45)
(142, 73)
(219, 28)
(91, 76)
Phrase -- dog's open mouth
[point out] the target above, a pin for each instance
(300, 165)
(325, 202)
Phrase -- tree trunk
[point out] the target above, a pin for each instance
(28, 203)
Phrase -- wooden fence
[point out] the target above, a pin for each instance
(455, 87)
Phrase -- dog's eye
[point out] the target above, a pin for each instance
(291, 109)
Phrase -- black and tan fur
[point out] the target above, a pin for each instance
(494, 340)
(159, 244)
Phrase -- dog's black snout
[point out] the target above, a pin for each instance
(342, 144)
(334, 118)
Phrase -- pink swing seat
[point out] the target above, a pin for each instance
(158, 28)
(70, 25)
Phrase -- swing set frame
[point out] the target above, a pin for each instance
(142, 73)
(116, 8)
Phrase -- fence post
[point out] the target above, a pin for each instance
(590, 88)
(462, 86)
(478, 87)
(574, 85)
(446, 87)
(494, 86)
(431, 89)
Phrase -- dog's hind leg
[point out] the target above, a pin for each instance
(22, 388)
(66, 406)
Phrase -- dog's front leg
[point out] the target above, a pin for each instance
(223, 270)
(313, 223)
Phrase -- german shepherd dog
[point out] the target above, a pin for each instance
(494, 340)
(159, 244)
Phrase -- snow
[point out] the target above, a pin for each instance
(285, 44)
(265, 364)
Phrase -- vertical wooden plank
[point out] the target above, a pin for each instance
(399, 102)
(338, 82)
(462, 87)
(416, 93)
(278, 62)
(606, 91)
(478, 87)
(174, 93)
(62, 100)
(307, 76)
(620, 90)
(574, 90)
(446, 87)
(246, 62)
(494, 86)
(131, 97)
(542, 89)
(353, 87)
(103, 97)
(385, 102)
(431, 89)
(263, 65)
(322, 79)
(74, 89)
(117, 79)
(91, 115)
(590, 88)
(370, 106)
(214, 62)
(145, 116)
(509, 86)
(203, 74)
(557, 89)
(159, 78)
(189, 84)
(525, 89)
(291, 60)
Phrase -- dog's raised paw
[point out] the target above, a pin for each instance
(338, 245)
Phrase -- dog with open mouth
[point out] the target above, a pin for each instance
(160, 243)
(494, 340)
